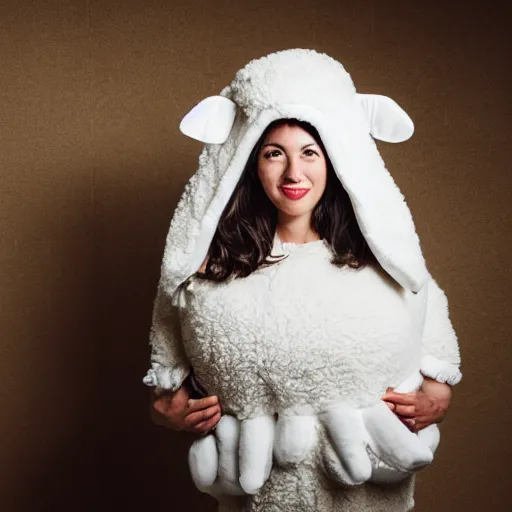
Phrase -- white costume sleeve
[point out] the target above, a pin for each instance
(440, 353)
(169, 365)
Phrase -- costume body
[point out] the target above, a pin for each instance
(305, 332)
(312, 342)
(297, 336)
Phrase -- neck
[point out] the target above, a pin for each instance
(295, 230)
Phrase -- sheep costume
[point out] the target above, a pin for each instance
(315, 343)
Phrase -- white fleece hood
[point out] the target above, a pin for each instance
(312, 87)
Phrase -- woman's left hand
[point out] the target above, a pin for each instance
(421, 408)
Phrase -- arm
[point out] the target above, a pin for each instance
(440, 349)
(172, 402)
(169, 365)
(439, 365)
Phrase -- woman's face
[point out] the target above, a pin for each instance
(291, 159)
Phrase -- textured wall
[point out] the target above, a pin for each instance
(92, 165)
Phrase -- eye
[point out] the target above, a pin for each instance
(273, 154)
(310, 152)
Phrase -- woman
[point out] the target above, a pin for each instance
(301, 348)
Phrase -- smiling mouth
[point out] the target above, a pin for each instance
(294, 193)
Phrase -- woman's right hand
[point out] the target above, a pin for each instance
(180, 412)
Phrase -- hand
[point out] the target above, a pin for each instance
(180, 412)
(421, 408)
(368, 443)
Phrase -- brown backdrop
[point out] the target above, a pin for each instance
(92, 166)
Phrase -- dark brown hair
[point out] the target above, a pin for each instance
(245, 233)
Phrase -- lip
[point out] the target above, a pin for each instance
(294, 193)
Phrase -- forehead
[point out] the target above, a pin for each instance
(288, 135)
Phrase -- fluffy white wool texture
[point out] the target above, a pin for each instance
(263, 345)
(306, 333)
(315, 88)
(273, 343)
(294, 76)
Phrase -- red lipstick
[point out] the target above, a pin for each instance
(294, 193)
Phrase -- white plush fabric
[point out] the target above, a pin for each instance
(386, 120)
(283, 84)
(211, 120)
(319, 346)
(316, 344)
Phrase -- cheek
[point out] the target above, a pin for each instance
(324, 181)
(320, 176)
(266, 178)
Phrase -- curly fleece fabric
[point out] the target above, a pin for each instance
(299, 336)
(316, 344)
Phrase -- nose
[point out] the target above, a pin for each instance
(293, 172)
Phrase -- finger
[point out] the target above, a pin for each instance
(408, 411)
(425, 418)
(202, 403)
(192, 419)
(205, 426)
(400, 398)
(409, 423)
(391, 405)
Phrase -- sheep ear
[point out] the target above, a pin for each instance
(210, 120)
(386, 120)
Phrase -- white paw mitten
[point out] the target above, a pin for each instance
(343, 444)
(203, 462)
(236, 459)
(340, 432)
(373, 444)
(395, 451)
(255, 452)
(356, 445)
(295, 437)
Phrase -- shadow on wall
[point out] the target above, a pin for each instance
(114, 457)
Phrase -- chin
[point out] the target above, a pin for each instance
(296, 210)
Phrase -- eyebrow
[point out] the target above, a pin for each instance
(281, 147)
